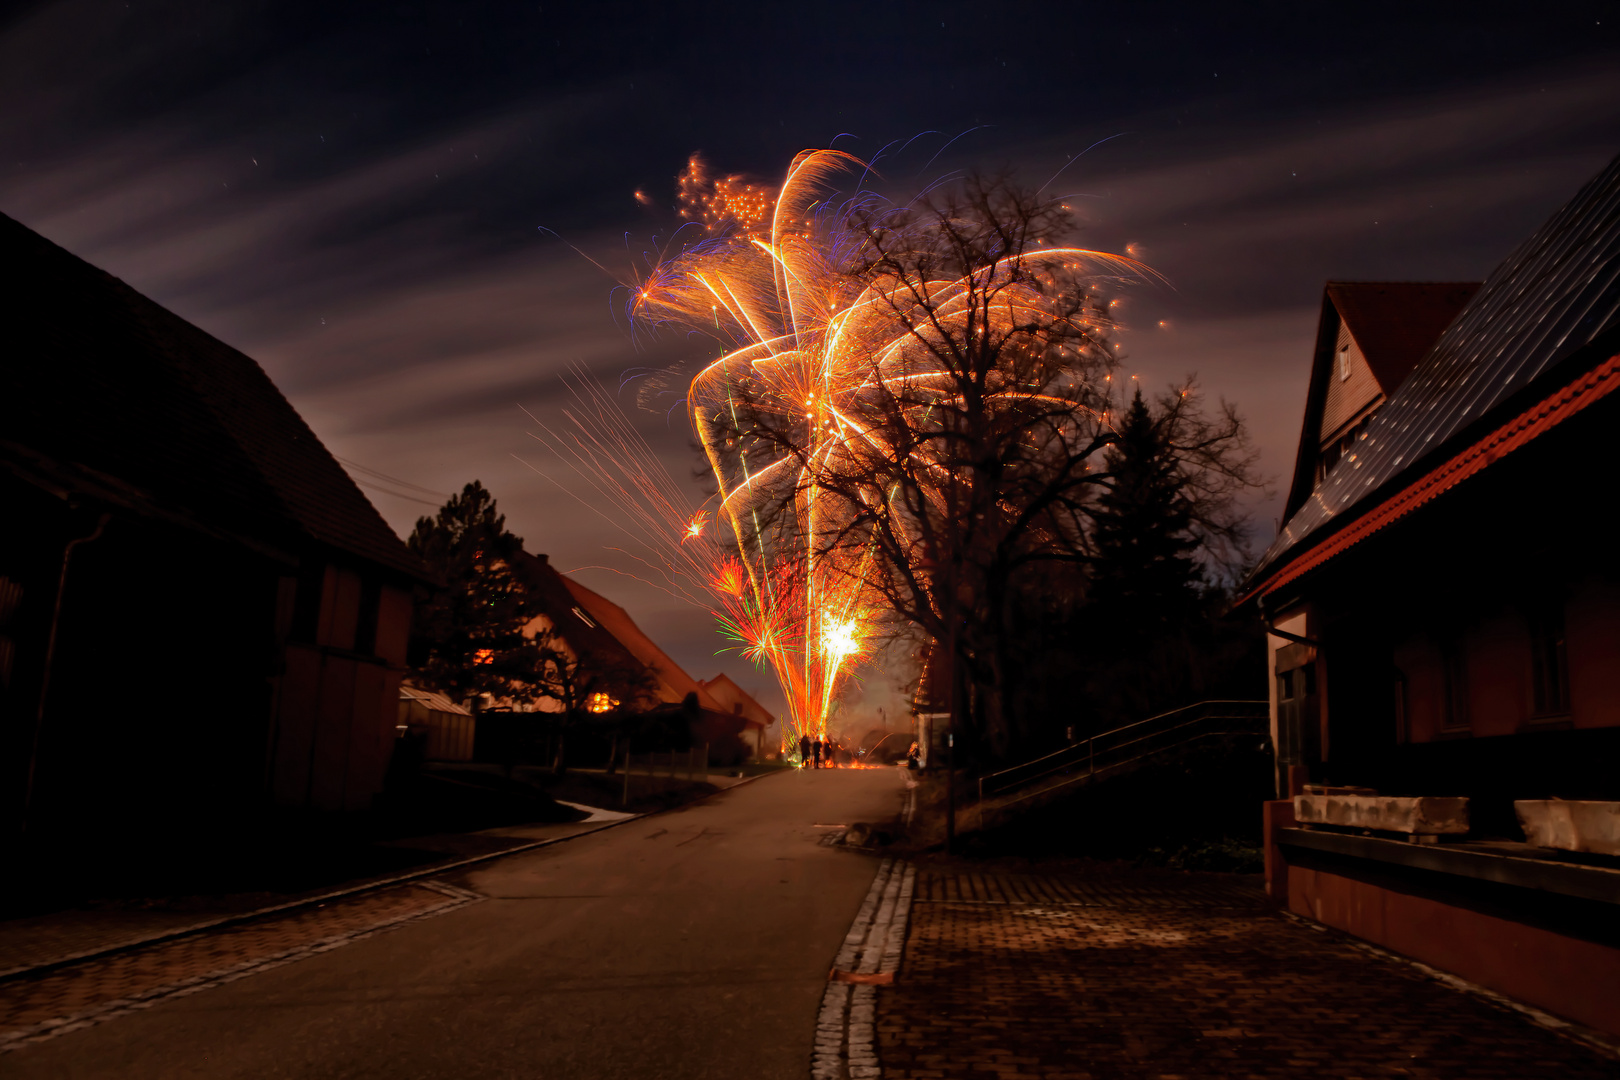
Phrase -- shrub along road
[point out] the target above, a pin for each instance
(695, 943)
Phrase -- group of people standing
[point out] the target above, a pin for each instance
(818, 753)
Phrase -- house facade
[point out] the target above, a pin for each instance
(592, 629)
(172, 524)
(726, 732)
(739, 703)
(1444, 609)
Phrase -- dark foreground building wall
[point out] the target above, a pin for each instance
(1444, 604)
(201, 617)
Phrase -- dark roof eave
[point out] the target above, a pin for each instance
(78, 484)
(1425, 483)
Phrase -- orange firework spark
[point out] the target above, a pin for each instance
(810, 344)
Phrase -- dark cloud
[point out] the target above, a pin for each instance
(354, 194)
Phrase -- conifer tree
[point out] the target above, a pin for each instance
(1145, 575)
(467, 640)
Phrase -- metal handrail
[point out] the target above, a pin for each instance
(1132, 724)
(1116, 765)
(1087, 750)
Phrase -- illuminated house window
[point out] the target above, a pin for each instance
(600, 703)
(484, 656)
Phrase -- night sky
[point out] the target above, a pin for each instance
(367, 198)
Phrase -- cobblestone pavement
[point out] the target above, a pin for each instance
(1111, 974)
(67, 999)
(43, 939)
(122, 922)
(868, 959)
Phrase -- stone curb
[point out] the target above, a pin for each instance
(845, 1045)
(335, 894)
(108, 1010)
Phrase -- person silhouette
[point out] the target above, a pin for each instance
(804, 751)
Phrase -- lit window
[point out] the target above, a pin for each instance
(484, 656)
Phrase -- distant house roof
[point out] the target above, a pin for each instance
(674, 684)
(99, 382)
(1548, 316)
(567, 617)
(433, 701)
(734, 699)
(1394, 323)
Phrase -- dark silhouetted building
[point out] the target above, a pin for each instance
(201, 617)
(1444, 601)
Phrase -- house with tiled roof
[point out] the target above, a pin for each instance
(597, 632)
(1369, 337)
(172, 523)
(1443, 607)
(740, 703)
(726, 732)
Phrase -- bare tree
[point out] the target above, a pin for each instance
(968, 448)
(969, 429)
(587, 689)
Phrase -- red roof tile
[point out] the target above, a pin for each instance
(616, 621)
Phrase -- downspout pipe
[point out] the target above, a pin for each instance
(50, 659)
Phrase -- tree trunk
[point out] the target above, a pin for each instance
(559, 764)
(998, 699)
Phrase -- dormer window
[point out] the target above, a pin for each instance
(1344, 362)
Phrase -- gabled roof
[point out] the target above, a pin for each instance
(1394, 324)
(98, 378)
(1546, 317)
(568, 618)
(730, 696)
(674, 684)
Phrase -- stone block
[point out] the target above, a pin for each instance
(1414, 815)
(1572, 825)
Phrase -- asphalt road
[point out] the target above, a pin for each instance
(695, 943)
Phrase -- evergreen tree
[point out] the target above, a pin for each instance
(467, 639)
(1145, 576)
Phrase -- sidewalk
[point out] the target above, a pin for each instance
(29, 941)
(40, 1007)
(1098, 972)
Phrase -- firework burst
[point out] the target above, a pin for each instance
(812, 345)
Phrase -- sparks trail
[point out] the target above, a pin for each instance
(821, 343)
